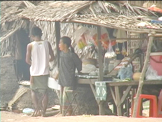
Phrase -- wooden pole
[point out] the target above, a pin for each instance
(141, 80)
(57, 33)
(100, 61)
(100, 57)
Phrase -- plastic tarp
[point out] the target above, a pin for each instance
(156, 9)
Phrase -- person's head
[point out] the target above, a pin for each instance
(65, 43)
(36, 32)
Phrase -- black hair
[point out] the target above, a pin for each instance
(36, 31)
(66, 40)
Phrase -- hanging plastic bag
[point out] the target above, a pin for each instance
(82, 42)
(117, 50)
(124, 52)
(110, 52)
(93, 36)
(104, 38)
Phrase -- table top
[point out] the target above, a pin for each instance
(126, 83)
(110, 83)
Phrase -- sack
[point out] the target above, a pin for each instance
(151, 74)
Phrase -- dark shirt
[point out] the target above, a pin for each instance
(67, 66)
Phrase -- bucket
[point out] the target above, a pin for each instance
(156, 62)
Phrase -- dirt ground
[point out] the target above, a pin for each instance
(14, 117)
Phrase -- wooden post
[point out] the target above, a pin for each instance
(141, 80)
(100, 57)
(57, 33)
(118, 104)
(100, 61)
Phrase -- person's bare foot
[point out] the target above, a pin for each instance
(43, 114)
(36, 113)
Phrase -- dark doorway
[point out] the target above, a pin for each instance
(20, 65)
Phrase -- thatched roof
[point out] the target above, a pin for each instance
(10, 22)
(10, 10)
(54, 11)
(103, 13)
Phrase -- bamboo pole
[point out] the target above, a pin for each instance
(141, 80)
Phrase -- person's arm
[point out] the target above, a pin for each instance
(77, 62)
(56, 75)
(28, 54)
(50, 52)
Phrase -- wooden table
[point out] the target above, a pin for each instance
(114, 87)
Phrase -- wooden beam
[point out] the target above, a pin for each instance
(57, 31)
(141, 80)
(128, 39)
(157, 35)
(110, 26)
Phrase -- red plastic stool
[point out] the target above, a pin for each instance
(153, 105)
(160, 104)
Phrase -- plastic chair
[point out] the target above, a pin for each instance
(153, 106)
(160, 104)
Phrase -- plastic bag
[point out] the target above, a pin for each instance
(110, 52)
(151, 74)
(125, 72)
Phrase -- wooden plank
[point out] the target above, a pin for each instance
(157, 35)
(119, 112)
(125, 94)
(158, 82)
(128, 39)
(141, 80)
(86, 81)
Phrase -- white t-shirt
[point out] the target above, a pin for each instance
(39, 58)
